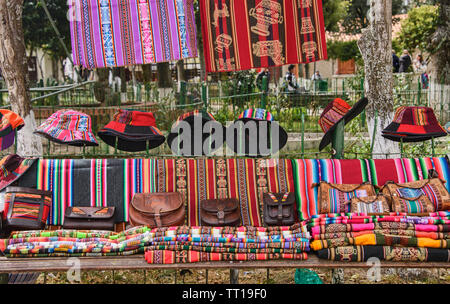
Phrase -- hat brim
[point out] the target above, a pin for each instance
(7, 141)
(68, 134)
(130, 143)
(410, 138)
(245, 150)
(16, 174)
(190, 137)
(350, 115)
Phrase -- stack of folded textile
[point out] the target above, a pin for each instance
(166, 245)
(393, 237)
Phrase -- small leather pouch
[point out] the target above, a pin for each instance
(279, 209)
(220, 212)
(433, 189)
(26, 208)
(89, 218)
(335, 198)
(372, 205)
(161, 209)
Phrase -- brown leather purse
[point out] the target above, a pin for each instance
(161, 209)
(220, 212)
(87, 218)
(279, 209)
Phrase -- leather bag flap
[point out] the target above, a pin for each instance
(90, 212)
(157, 203)
(225, 205)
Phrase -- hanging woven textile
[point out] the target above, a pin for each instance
(245, 34)
(113, 33)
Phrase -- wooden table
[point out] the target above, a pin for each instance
(137, 262)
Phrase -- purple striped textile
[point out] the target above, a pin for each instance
(113, 33)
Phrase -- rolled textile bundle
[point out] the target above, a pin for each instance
(377, 239)
(386, 253)
(191, 256)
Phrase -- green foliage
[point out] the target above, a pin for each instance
(418, 28)
(356, 18)
(343, 50)
(38, 32)
(334, 11)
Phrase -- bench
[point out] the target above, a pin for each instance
(101, 182)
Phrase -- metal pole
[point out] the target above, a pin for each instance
(58, 34)
(337, 140)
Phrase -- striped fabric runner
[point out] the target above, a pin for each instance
(356, 171)
(113, 33)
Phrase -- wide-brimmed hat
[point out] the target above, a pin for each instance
(413, 124)
(133, 130)
(336, 111)
(202, 125)
(68, 127)
(12, 167)
(9, 123)
(245, 142)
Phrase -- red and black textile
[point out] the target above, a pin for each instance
(246, 34)
(387, 253)
(413, 124)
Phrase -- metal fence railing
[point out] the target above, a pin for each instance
(297, 113)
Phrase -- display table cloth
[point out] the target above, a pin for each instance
(113, 182)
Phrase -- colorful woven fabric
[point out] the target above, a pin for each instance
(381, 239)
(112, 33)
(132, 131)
(413, 124)
(241, 35)
(336, 111)
(333, 228)
(256, 114)
(386, 253)
(418, 234)
(68, 127)
(348, 171)
(135, 240)
(12, 167)
(26, 206)
(191, 256)
(10, 122)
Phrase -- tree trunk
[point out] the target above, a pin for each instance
(376, 48)
(164, 79)
(181, 73)
(13, 63)
(441, 43)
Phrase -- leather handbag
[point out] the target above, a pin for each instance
(335, 198)
(161, 209)
(433, 189)
(27, 208)
(220, 212)
(279, 209)
(87, 218)
(372, 205)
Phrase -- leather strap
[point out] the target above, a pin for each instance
(158, 218)
(220, 213)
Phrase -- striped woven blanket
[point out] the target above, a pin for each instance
(192, 256)
(387, 253)
(356, 171)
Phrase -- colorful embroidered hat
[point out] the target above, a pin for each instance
(202, 125)
(12, 167)
(334, 112)
(245, 142)
(9, 123)
(413, 124)
(132, 130)
(68, 127)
